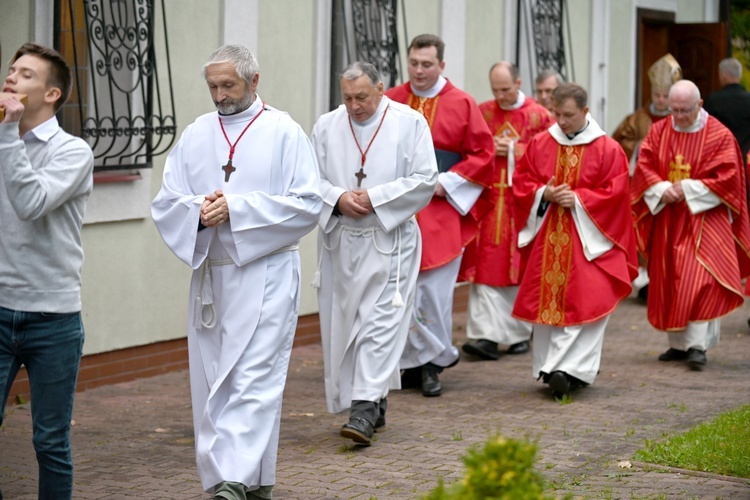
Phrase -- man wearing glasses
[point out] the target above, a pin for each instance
(690, 207)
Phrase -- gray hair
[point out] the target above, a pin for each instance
(685, 86)
(360, 68)
(731, 67)
(243, 60)
(548, 73)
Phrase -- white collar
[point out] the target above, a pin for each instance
(246, 115)
(45, 130)
(590, 133)
(376, 116)
(698, 124)
(431, 92)
(519, 102)
(655, 111)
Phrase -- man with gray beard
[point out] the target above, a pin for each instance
(240, 189)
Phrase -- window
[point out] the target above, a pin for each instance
(120, 103)
(364, 30)
(539, 25)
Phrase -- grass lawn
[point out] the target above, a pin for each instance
(721, 446)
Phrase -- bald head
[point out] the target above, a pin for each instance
(686, 89)
(685, 103)
(505, 82)
(511, 68)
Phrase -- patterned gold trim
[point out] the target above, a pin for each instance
(558, 248)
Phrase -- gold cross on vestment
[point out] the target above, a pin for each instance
(678, 170)
(502, 186)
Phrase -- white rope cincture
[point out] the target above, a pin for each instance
(365, 232)
(398, 301)
(204, 313)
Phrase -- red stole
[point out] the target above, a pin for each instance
(559, 286)
(493, 258)
(695, 262)
(456, 125)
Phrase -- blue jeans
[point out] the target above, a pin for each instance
(50, 346)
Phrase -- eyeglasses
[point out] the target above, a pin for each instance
(683, 111)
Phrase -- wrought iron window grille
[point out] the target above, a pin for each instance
(365, 30)
(121, 104)
(545, 22)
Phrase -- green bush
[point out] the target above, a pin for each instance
(502, 469)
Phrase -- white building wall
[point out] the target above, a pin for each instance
(135, 291)
(16, 26)
(484, 45)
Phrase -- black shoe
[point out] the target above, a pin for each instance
(643, 294)
(560, 384)
(673, 355)
(380, 422)
(358, 430)
(485, 349)
(519, 348)
(411, 378)
(430, 384)
(696, 359)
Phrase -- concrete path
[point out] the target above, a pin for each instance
(135, 439)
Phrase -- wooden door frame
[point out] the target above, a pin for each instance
(647, 17)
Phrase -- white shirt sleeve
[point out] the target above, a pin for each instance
(653, 195)
(460, 193)
(593, 241)
(698, 197)
(534, 222)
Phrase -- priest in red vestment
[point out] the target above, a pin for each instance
(491, 262)
(690, 206)
(577, 238)
(464, 149)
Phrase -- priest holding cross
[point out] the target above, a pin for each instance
(377, 170)
(238, 227)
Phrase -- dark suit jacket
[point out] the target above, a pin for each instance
(731, 105)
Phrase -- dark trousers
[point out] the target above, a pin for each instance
(369, 410)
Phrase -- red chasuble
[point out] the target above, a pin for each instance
(493, 258)
(695, 262)
(559, 286)
(457, 126)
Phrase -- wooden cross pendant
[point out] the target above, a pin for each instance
(360, 175)
(228, 169)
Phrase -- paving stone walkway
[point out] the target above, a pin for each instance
(135, 439)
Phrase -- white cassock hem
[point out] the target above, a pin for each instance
(490, 315)
(701, 335)
(575, 350)
(430, 337)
